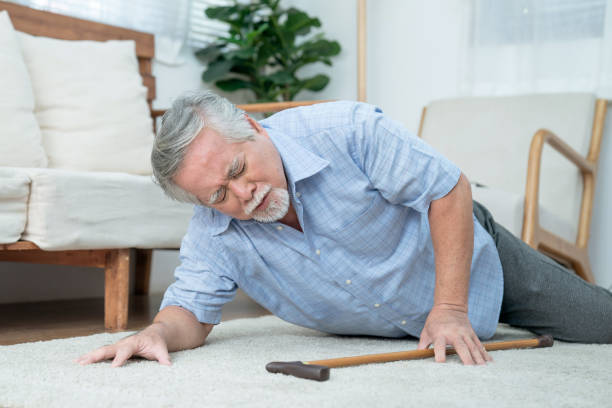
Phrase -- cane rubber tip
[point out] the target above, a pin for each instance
(545, 340)
(299, 369)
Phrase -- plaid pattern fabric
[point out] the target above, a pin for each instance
(361, 185)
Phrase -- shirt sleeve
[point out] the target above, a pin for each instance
(202, 286)
(401, 166)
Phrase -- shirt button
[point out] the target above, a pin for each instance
(318, 251)
(376, 304)
(280, 228)
(298, 194)
(403, 322)
(348, 281)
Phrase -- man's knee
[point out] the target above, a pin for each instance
(589, 317)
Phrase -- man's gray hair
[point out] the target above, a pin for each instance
(190, 113)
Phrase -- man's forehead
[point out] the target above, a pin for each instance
(215, 165)
(206, 160)
(210, 148)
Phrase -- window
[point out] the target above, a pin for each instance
(201, 29)
(167, 20)
(527, 46)
(524, 21)
(158, 17)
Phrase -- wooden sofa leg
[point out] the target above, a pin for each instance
(116, 289)
(143, 271)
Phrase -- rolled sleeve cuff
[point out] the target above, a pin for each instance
(449, 183)
(209, 316)
(443, 186)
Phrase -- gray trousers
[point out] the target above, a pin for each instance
(544, 297)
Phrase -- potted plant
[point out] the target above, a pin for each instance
(263, 50)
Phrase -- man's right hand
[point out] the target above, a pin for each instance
(173, 329)
(149, 344)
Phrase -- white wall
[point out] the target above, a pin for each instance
(406, 69)
(601, 224)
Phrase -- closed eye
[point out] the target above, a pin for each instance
(221, 193)
(242, 169)
(218, 196)
(238, 168)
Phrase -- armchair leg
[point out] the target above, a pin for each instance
(143, 271)
(116, 289)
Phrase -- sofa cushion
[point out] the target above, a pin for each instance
(20, 143)
(13, 203)
(90, 104)
(94, 210)
(507, 210)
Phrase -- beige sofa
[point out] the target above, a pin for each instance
(75, 177)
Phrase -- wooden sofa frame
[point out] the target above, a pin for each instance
(572, 254)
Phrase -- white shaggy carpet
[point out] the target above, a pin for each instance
(229, 371)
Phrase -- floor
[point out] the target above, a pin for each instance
(27, 322)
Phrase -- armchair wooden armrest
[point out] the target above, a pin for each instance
(573, 254)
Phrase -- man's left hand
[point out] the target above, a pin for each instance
(449, 324)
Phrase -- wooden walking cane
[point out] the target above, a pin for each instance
(319, 370)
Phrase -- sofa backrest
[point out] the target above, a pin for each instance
(46, 24)
(489, 139)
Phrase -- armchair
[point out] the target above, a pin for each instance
(540, 187)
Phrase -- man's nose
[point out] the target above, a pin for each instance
(242, 188)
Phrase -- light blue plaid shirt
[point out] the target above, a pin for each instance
(361, 185)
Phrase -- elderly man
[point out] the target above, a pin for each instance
(336, 218)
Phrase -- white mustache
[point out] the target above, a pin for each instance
(257, 199)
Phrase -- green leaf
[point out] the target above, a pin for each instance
(321, 48)
(281, 77)
(252, 36)
(223, 13)
(273, 4)
(288, 41)
(209, 53)
(299, 22)
(233, 84)
(217, 69)
(241, 53)
(265, 52)
(316, 83)
(236, 41)
(245, 69)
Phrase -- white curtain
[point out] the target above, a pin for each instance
(168, 20)
(203, 30)
(526, 46)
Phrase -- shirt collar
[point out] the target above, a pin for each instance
(298, 162)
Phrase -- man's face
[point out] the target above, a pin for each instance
(243, 180)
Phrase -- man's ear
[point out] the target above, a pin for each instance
(254, 124)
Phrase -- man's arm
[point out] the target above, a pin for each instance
(173, 329)
(452, 234)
